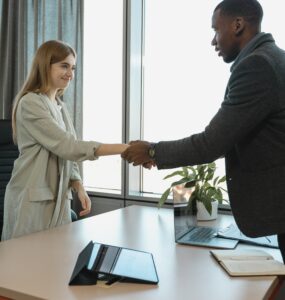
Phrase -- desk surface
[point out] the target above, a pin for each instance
(40, 265)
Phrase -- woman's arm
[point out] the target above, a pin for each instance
(110, 149)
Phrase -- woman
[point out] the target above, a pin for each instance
(37, 196)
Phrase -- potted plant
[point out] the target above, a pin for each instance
(205, 188)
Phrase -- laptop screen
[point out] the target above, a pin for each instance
(184, 218)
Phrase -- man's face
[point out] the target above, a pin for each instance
(225, 39)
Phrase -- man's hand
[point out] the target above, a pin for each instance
(138, 154)
(149, 164)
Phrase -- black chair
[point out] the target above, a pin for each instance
(8, 153)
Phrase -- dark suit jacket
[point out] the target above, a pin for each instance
(249, 130)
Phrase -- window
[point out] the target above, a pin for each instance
(103, 88)
(184, 79)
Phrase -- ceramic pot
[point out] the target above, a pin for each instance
(202, 213)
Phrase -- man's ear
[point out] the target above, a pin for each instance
(239, 25)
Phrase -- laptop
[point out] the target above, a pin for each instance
(187, 231)
(111, 264)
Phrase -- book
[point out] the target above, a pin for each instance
(248, 262)
(232, 232)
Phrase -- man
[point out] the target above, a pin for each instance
(249, 128)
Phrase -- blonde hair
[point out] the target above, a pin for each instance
(38, 79)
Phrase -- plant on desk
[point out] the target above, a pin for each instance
(202, 189)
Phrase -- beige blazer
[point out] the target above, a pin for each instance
(37, 196)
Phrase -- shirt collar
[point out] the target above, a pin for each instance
(255, 42)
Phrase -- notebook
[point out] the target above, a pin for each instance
(189, 233)
(248, 262)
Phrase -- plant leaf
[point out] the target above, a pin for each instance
(224, 190)
(181, 181)
(185, 172)
(212, 166)
(201, 170)
(215, 180)
(193, 170)
(190, 184)
(208, 204)
(174, 174)
(219, 196)
(164, 197)
(211, 192)
(223, 179)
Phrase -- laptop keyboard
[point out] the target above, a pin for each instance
(201, 234)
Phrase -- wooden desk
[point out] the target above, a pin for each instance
(39, 266)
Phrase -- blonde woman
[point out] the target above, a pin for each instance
(37, 196)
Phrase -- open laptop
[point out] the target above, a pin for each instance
(188, 232)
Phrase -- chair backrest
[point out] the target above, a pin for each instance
(8, 154)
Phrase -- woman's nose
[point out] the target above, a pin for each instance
(69, 73)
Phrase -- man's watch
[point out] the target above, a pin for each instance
(151, 150)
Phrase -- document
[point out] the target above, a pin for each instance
(232, 232)
(249, 262)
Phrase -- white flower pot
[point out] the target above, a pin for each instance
(202, 213)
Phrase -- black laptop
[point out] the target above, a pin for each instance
(189, 233)
(111, 264)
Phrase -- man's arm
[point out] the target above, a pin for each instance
(247, 103)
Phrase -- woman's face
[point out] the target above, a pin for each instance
(62, 72)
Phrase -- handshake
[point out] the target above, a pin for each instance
(138, 153)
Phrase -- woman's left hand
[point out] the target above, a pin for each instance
(85, 202)
(82, 196)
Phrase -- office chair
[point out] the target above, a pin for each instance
(8, 154)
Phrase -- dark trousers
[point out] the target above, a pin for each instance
(281, 243)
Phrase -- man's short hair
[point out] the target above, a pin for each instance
(251, 10)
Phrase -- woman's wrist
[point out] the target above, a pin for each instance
(110, 149)
(76, 185)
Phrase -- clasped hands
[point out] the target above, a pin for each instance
(138, 154)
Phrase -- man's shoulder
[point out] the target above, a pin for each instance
(269, 59)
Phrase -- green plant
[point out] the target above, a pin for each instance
(206, 187)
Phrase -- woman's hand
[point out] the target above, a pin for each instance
(85, 202)
(82, 196)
